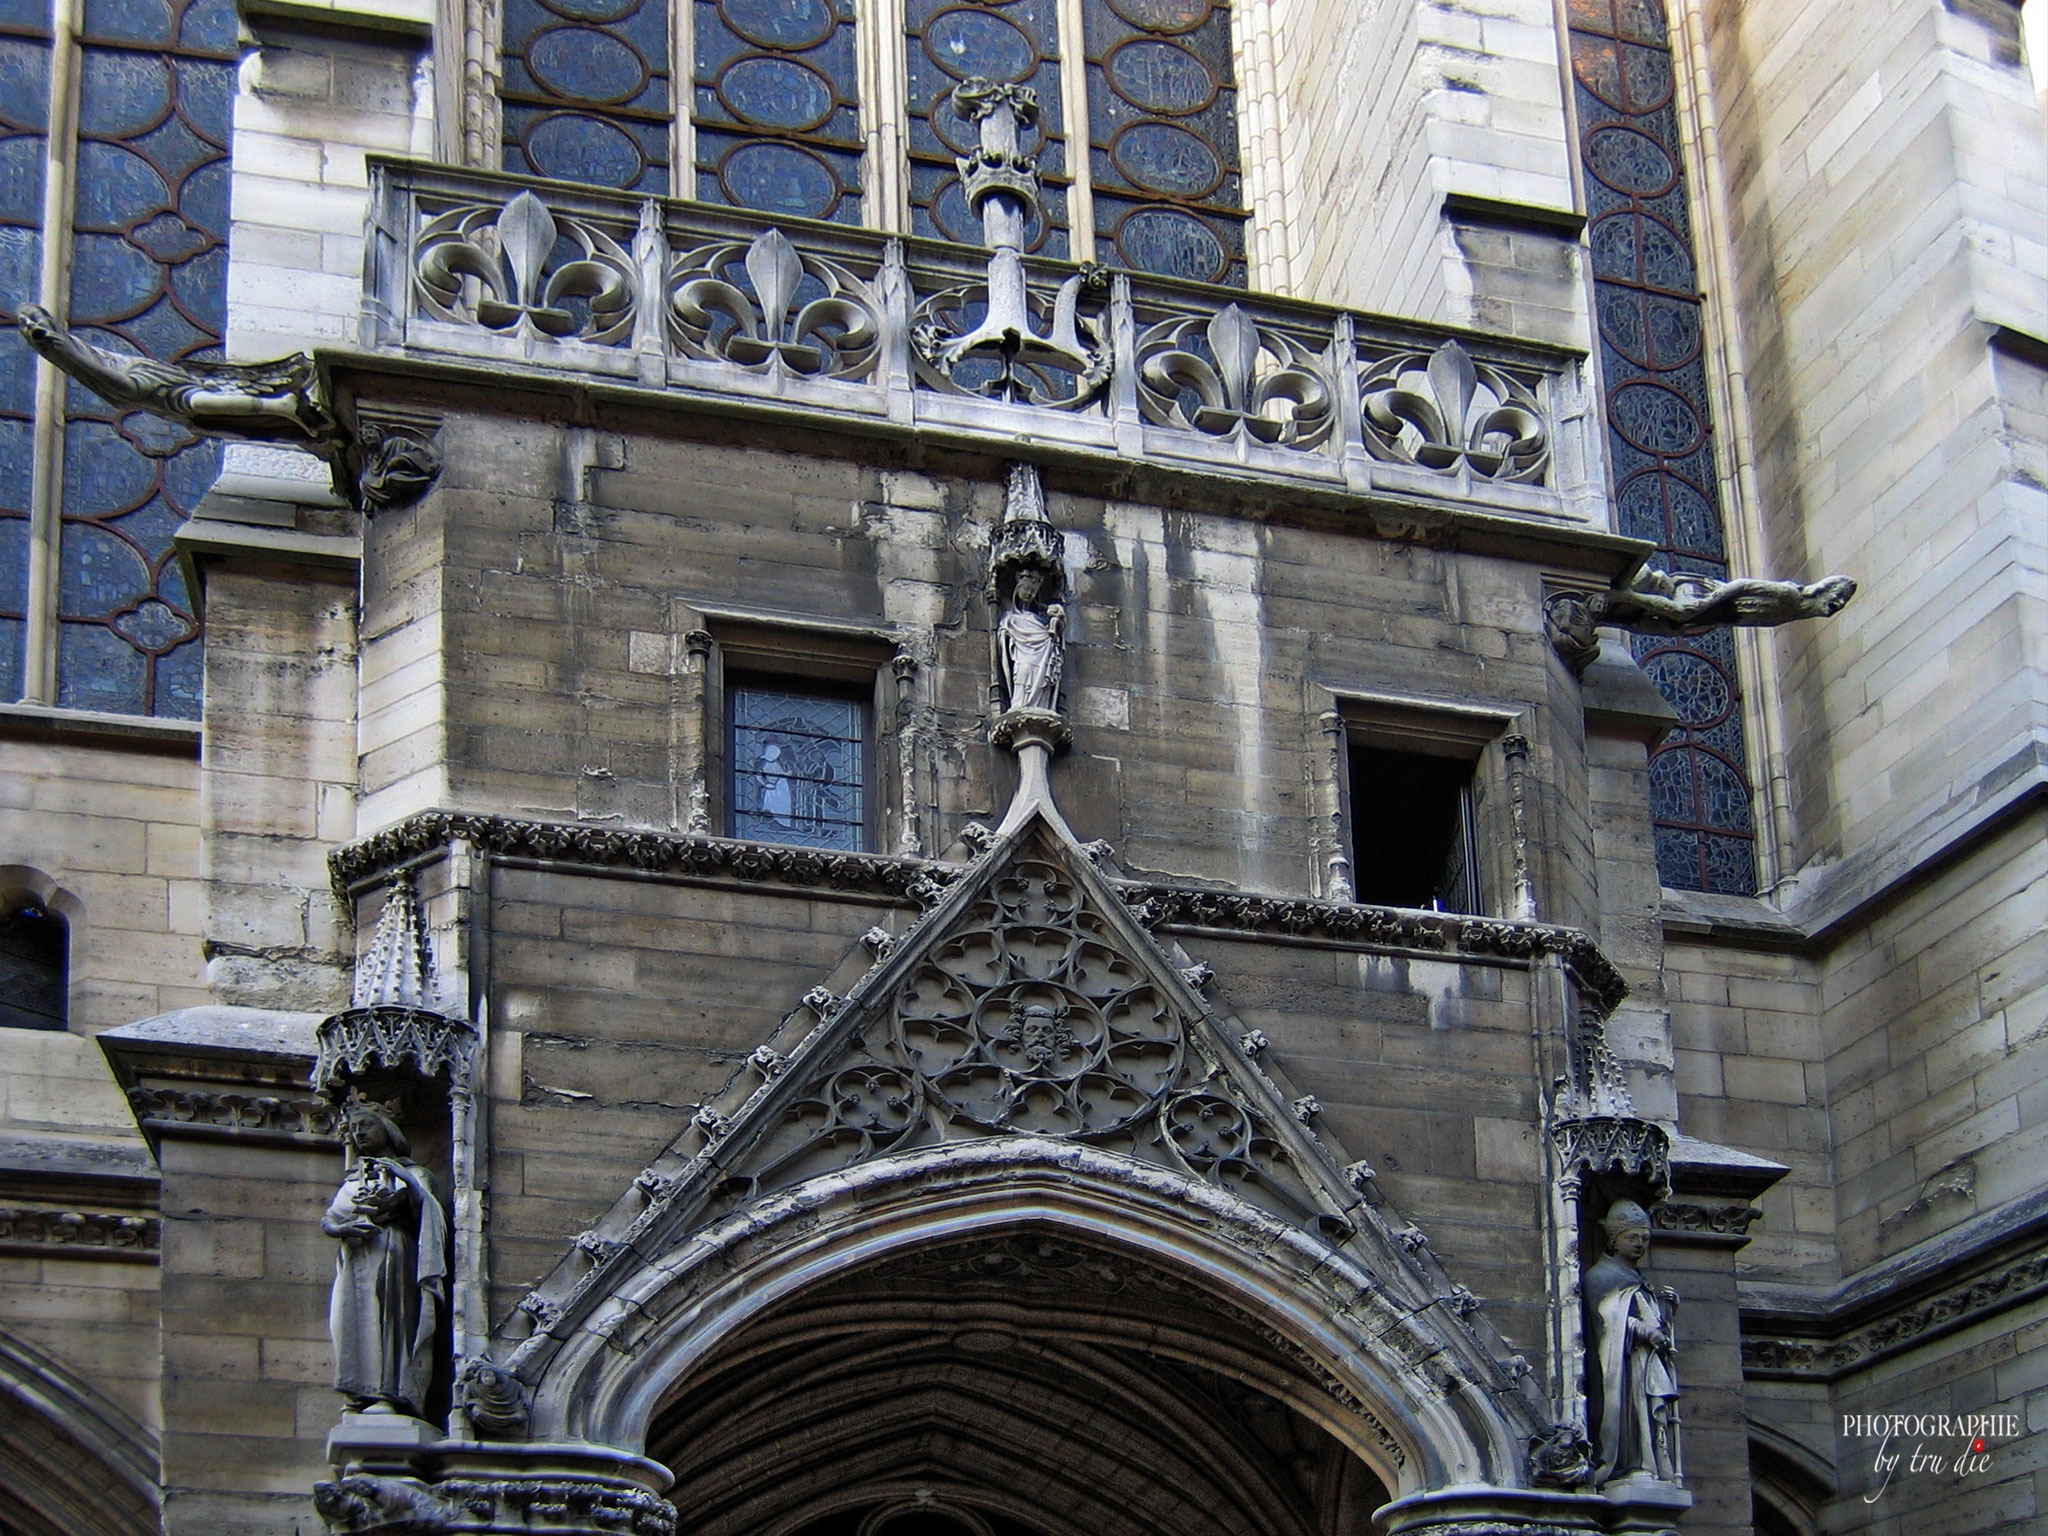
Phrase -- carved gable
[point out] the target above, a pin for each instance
(1028, 1002)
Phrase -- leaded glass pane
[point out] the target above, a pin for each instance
(1162, 128)
(777, 107)
(586, 91)
(1660, 435)
(1008, 40)
(24, 114)
(799, 768)
(156, 97)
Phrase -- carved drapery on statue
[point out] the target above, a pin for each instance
(273, 402)
(1025, 586)
(1636, 1428)
(391, 1272)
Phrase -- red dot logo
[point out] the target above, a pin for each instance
(1978, 1446)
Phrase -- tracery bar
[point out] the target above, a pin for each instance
(587, 93)
(1013, 41)
(1162, 125)
(1660, 435)
(777, 107)
(149, 275)
(24, 124)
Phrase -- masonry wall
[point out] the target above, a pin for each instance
(109, 835)
(1888, 210)
(1400, 104)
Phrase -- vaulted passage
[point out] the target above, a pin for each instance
(1027, 1385)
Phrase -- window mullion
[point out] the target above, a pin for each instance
(46, 483)
(884, 108)
(1074, 87)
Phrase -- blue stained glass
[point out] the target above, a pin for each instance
(13, 636)
(97, 669)
(130, 21)
(966, 43)
(126, 93)
(21, 257)
(798, 768)
(177, 677)
(13, 556)
(776, 106)
(777, 93)
(24, 110)
(148, 278)
(1164, 158)
(1172, 243)
(574, 146)
(1646, 307)
(780, 23)
(585, 63)
(1162, 127)
(587, 91)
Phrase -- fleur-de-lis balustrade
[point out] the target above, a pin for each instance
(1443, 409)
(803, 315)
(1227, 375)
(998, 338)
(499, 268)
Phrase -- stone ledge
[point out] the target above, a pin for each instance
(94, 728)
(1974, 1271)
(217, 1072)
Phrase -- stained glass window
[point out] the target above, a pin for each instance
(1162, 127)
(1014, 41)
(776, 110)
(148, 276)
(24, 118)
(1660, 435)
(586, 91)
(798, 767)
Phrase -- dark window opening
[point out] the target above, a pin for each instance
(798, 764)
(34, 969)
(1411, 830)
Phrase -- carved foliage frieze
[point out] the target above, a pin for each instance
(117, 1234)
(246, 1114)
(1826, 1358)
(361, 1504)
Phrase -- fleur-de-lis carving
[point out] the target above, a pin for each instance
(1287, 402)
(711, 316)
(492, 268)
(1447, 409)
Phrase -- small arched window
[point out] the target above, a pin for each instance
(35, 967)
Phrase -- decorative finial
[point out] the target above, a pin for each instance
(397, 970)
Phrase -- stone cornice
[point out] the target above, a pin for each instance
(1971, 1272)
(79, 1234)
(1830, 1357)
(908, 880)
(293, 1119)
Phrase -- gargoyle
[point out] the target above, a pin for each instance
(273, 402)
(1663, 603)
(258, 402)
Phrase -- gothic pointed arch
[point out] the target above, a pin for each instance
(1027, 1059)
(70, 1460)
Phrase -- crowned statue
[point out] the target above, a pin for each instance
(391, 1272)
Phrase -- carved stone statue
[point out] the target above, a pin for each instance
(1663, 603)
(1030, 645)
(390, 1274)
(1633, 1343)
